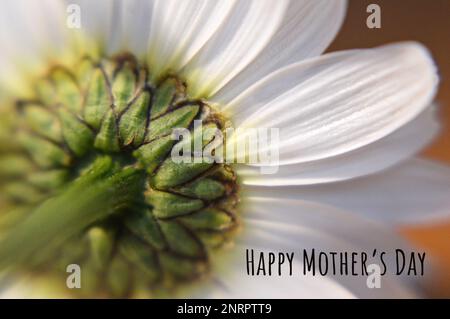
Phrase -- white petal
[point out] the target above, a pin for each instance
(112, 26)
(34, 32)
(339, 102)
(237, 284)
(28, 27)
(180, 28)
(377, 156)
(291, 225)
(33, 287)
(29, 31)
(246, 31)
(131, 27)
(417, 191)
(306, 31)
(97, 20)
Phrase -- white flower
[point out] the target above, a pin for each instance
(347, 119)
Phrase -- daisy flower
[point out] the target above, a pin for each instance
(91, 92)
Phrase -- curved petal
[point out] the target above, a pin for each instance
(292, 225)
(33, 287)
(28, 27)
(375, 157)
(130, 28)
(237, 284)
(417, 191)
(97, 20)
(29, 30)
(306, 31)
(339, 102)
(248, 28)
(180, 29)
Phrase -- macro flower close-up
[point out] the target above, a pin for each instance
(96, 95)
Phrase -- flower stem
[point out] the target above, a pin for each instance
(101, 191)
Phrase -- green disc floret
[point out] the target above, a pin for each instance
(97, 137)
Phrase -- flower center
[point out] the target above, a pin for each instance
(108, 113)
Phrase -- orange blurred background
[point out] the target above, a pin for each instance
(427, 22)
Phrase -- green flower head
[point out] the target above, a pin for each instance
(97, 140)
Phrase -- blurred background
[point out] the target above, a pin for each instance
(427, 22)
